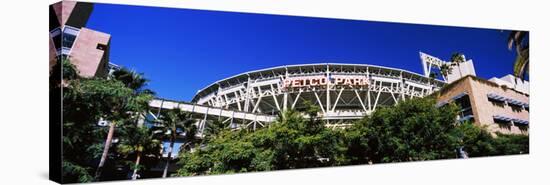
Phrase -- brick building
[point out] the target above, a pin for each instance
(87, 49)
(500, 107)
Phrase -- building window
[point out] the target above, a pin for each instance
(501, 101)
(69, 36)
(101, 47)
(517, 105)
(68, 40)
(520, 122)
(63, 40)
(499, 119)
(463, 101)
(496, 99)
(55, 34)
(466, 113)
(515, 108)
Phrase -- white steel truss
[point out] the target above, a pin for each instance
(265, 93)
(205, 112)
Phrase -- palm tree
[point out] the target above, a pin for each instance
(132, 80)
(521, 43)
(174, 123)
(136, 82)
(445, 70)
(138, 140)
(432, 77)
(138, 101)
(456, 59)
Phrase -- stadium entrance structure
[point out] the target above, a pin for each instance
(342, 91)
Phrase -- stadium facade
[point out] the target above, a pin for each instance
(342, 91)
(347, 92)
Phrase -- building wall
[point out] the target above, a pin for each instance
(512, 82)
(464, 69)
(63, 10)
(453, 90)
(72, 13)
(484, 109)
(85, 55)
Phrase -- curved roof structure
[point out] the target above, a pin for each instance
(300, 69)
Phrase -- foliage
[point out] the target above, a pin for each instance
(519, 40)
(456, 59)
(510, 144)
(212, 129)
(75, 173)
(289, 143)
(413, 130)
(173, 123)
(477, 141)
(138, 140)
(132, 80)
(85, 102)
(445, 70)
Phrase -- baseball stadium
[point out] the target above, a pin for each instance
(342, 91)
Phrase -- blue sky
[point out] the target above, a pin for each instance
(182, 51)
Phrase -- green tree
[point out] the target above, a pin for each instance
(133, 80)
(212, 129)
(477, 141)
(85, 101)
(138, 140)
(445, 71)
(175, 122)
(456, 59)
(78, 130)
(291, 142)
(112, 101)
(124, 101)
(75, 173)
(413, 130)
(511, 144)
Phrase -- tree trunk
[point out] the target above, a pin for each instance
(165, 173)
(134, 176)
(105, 151)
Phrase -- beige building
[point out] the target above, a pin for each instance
(87, 49)
(501, 107)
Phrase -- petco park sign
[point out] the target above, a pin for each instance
(313, 81)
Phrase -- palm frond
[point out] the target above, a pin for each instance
(511, 39)
(521, 66)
